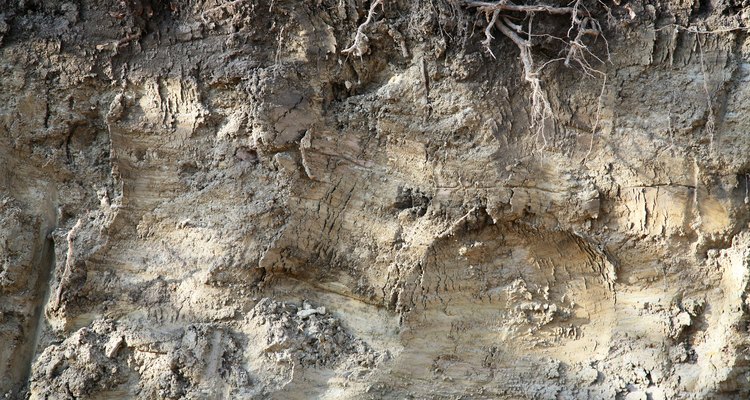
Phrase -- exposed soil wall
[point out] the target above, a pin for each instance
(210, 199)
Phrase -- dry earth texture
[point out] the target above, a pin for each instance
(354, 199)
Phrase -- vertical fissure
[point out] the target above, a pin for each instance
(45, 264)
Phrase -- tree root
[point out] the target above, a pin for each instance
(359, 47)
(578, 54)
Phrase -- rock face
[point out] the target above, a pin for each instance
(208, 199)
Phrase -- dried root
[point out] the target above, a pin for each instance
(500, 17)
(577, 55)
(360, 47)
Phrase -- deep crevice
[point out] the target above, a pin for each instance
(45, 265)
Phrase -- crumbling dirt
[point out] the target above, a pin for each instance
(241, 199)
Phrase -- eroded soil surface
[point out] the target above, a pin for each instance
(208, 199)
